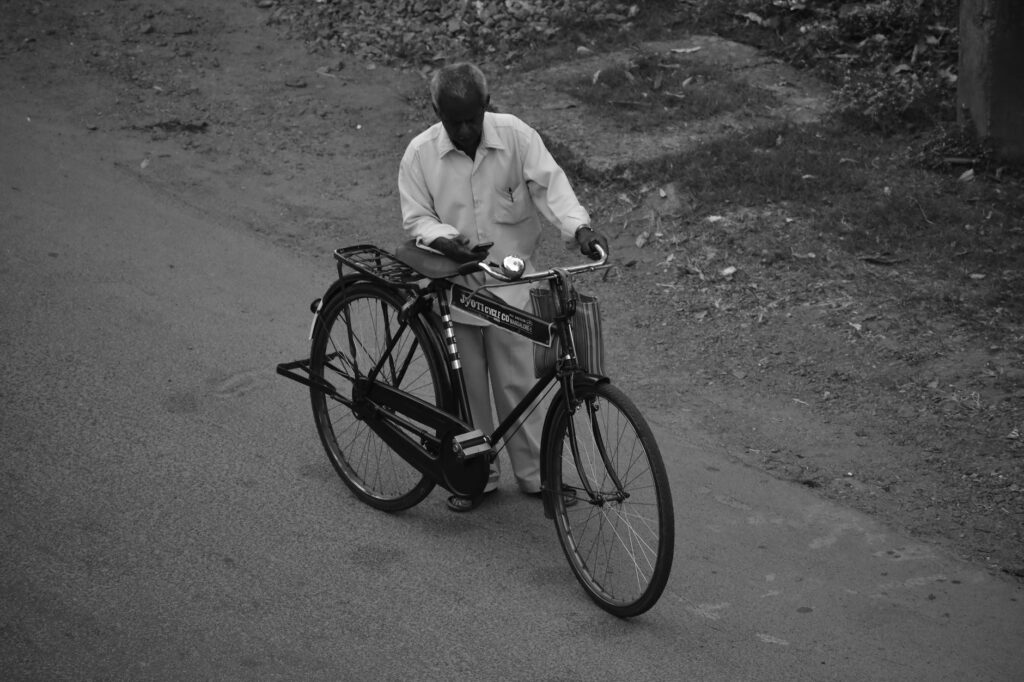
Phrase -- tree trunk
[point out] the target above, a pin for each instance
(990, 88)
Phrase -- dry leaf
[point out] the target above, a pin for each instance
(750, 16)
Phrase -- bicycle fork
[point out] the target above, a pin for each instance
(596, 498)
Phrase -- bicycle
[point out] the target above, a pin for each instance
(389, 403)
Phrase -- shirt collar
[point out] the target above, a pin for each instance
(489, 138)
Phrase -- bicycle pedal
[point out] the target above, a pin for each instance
(471, 444)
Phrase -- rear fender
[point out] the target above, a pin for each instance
(431, 324)
(318, 304)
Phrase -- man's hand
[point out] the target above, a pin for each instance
(588, 239)
(458, 249)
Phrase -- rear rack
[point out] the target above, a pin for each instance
(377, 263)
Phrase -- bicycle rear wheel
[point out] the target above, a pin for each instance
(620, 539)
(354, 330)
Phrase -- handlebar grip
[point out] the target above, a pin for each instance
(469, 268)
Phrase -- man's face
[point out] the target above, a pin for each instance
(463, 120)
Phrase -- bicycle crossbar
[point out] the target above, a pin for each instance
(497, 312)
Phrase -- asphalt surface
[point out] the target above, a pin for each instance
(166, 511)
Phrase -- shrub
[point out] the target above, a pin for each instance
(894, 61)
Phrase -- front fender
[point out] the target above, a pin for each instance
(580, 380)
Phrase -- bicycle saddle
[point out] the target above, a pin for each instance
(432, 265)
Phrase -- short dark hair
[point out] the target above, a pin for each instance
(458, 80)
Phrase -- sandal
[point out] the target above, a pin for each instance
(464, 504)
(568, 494)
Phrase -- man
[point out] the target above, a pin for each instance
(477, 177)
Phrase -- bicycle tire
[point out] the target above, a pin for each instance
(620, 549)
(352, 331)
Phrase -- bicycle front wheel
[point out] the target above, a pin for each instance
(355, 329)
(614, 514)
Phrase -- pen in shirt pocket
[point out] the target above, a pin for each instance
(511, 197)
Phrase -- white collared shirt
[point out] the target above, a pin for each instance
(495, 197)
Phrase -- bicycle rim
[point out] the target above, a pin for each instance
(619, 543)
(354, 331)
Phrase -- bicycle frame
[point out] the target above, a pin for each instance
(409, 425)
(387, 386)
(491, 309)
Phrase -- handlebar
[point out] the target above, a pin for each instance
(496, 271)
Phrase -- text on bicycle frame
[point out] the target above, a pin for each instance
(500, 314)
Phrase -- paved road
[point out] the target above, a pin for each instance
(166, 512)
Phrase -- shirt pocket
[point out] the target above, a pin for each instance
(513, 205)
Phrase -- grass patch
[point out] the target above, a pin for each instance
(769, 165)
(867, 195)
(650, 91)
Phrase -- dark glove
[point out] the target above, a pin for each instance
(458, 249)
(588, 239)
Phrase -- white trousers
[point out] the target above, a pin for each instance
(499, 364)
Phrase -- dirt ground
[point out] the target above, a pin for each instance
(803, 361)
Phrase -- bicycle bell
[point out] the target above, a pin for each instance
(513, 266)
